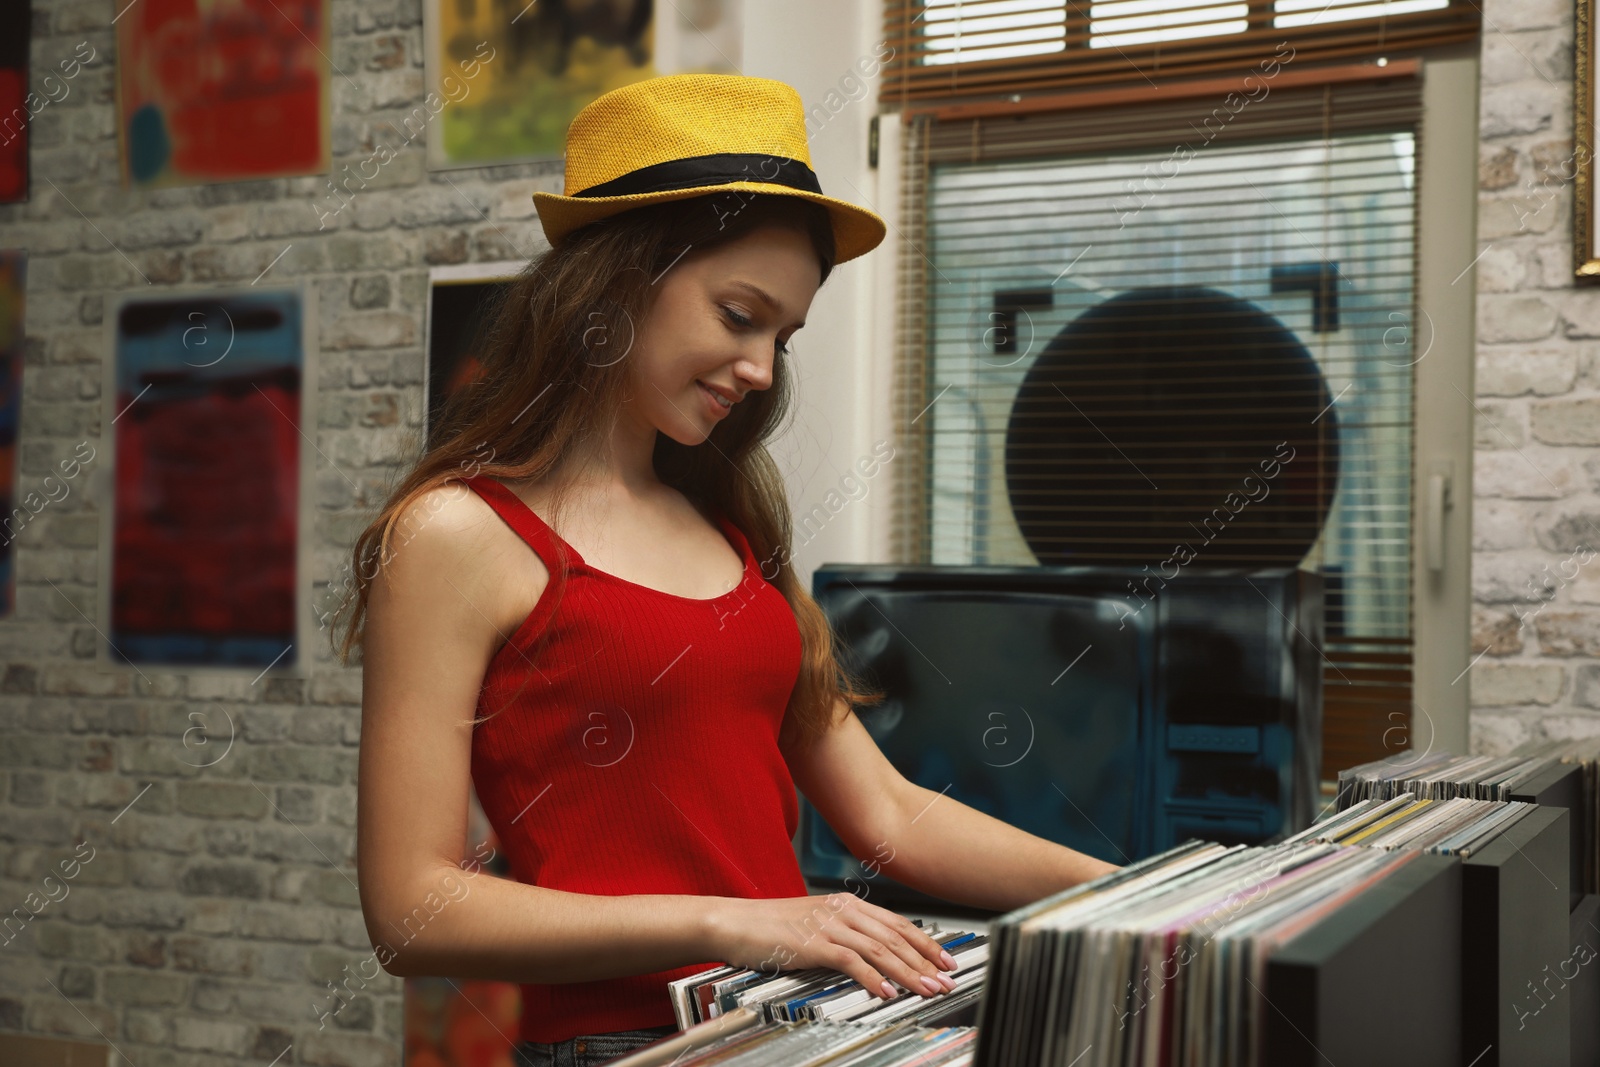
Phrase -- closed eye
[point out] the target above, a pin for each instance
(743, 322)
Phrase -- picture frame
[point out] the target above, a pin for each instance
(460, 298)
(504, 78)
(19, 500)
(281, 355)
(1585, 112)
(191, 110)
(18, 104)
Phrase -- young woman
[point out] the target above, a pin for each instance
(592, 617)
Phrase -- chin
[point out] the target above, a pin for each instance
(685, 428)
(685, 431)
(691, 438)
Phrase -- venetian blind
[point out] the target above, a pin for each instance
(1109, 318)
(947, 49)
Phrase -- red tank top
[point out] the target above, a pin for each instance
(634, 750)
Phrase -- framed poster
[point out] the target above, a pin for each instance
(18, 508)
(16, 110)
(461, 301)
(222, 91)
(506, 77)
(1586, 248)
(210, 465)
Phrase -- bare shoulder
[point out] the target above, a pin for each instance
(447, 524)
(450, 552)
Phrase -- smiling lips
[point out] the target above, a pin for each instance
(720, 403)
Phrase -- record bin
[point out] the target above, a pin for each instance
(1515, 921)
(1374, 983)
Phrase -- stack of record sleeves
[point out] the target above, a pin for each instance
(825, 995)
(1537, 770)
(747, 1042)
(1165, 961)
(1438, 776)
(1454, 827)
(1162, 962)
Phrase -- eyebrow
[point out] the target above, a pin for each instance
(763, 296)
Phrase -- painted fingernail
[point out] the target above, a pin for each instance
(888, 990)
(947, 960)
(933, 986)
(949, 983)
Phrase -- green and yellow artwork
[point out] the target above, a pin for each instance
(506, 77)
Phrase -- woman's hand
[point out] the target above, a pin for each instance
(839, 930)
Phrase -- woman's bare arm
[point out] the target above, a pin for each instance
(925, 839)
(440, 607)
(955, 851)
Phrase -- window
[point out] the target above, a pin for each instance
(1297, 215)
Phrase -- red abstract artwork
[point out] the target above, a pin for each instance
(16, 109)
(221, 91)
(18, 508)
(461, 1023)
(207, 480)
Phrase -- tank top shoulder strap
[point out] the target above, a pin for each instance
(521, 518)
(741, 543)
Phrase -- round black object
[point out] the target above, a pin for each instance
(1172, 425)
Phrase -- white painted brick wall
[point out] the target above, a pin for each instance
(1536, 613)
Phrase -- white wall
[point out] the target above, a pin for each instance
(842, 356)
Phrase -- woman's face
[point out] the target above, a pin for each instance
(714, 326)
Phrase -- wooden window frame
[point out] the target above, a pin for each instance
(1439, 652)
(907, 79)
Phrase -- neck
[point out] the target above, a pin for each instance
(618, 462)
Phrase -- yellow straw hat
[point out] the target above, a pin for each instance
(687, 135)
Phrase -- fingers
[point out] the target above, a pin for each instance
(879, 961)
(861, 929)
(849, 962)
(909, 932)
(915, 972)
(917, 938)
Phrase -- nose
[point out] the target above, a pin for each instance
(755, 368)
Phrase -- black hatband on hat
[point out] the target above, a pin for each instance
(720, 168)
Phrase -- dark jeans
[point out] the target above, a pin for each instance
(588, 1050)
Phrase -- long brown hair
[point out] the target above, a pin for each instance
(554, 373)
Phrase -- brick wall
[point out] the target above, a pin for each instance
(212, 891)
(1536, 614)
